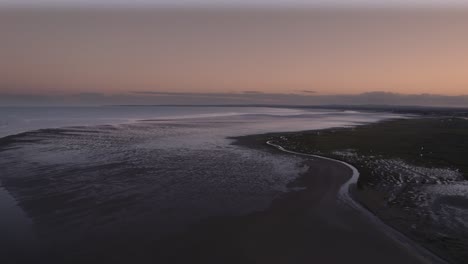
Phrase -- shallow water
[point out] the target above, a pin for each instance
(15, 120)
(146, 178)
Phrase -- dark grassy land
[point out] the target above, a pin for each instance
(398, 193)
(432, 142)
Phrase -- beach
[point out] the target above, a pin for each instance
(412, 175)
(234, 132)
(197, 190)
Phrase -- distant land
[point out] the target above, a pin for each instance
(405, 109)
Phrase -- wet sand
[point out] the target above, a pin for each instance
(413, 175)
(307, 225)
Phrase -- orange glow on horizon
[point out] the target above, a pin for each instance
(327, 51)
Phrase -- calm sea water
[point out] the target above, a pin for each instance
(14, 120)
(123, 173)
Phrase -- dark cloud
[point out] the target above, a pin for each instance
(308, 91)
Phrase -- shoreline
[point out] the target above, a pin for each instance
(306, 216)
(345, 195)
(412, 175)
(295, 222)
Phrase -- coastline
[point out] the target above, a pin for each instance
(309, 214)
(307, 223)
(345, 194)
(412, 178)
(303, 225)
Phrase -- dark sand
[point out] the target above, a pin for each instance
(413, 175)
(306, 226)
(309, 225)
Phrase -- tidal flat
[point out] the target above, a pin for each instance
(177, 190)
(413, 174)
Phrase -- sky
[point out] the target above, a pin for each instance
(253, 51)
(261, 3)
